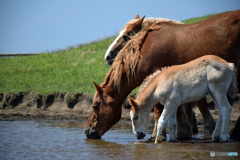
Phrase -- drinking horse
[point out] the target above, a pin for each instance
(163, 44)
(133, 27)
(184, 83)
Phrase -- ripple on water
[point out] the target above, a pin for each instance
(66, 140)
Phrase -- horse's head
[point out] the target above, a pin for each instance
(122, 39)
(105, 113)
(139, 118)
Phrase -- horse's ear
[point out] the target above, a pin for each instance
(137, 17)
(132, 102)
(98, 88)
(138, 25)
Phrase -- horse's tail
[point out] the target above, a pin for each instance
(233, 89)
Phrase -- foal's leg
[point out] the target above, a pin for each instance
(217, 130)
(183, 127)
(225, 110)
(208, 120)
(169, 110)
(172, 127)
(219, 92)
(158, 109)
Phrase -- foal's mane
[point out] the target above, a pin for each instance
(129, 56)
(149, 78)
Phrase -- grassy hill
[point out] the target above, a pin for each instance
(70, 70)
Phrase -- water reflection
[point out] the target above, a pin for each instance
(66, 140)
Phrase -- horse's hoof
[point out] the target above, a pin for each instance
(151, 140)
(160, 139)
(173, 140)
(223, 139)
(209, 127)
(215, 139)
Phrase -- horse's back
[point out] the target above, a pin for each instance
(190, 82)
(218, 35)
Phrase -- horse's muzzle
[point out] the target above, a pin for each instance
(140, 135)
(92, 134)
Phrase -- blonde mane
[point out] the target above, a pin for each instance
(148, 22)
(129, 56)
(149, 78)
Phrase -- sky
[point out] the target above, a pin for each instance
(36, 26)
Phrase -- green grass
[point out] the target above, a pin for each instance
(70, 70)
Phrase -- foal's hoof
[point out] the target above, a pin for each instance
(173, 140)
(223, 139)
(215, 139)
(151, 140)
(160, 139)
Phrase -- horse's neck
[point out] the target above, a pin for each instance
(146, 97)
(146, 103)
(125, 90)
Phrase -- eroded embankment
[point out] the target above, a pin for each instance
(27, 105)
(56, 106)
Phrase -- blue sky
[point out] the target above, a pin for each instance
(35, 26)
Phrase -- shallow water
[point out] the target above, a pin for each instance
(66, 140)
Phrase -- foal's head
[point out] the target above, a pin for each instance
(140, 118)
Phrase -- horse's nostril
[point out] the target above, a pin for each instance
(92, 134)
(108, 58)
(140, 135)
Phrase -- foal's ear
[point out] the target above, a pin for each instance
(137, 17)
(98, 88)
(132, 102)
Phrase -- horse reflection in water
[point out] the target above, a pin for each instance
(161, 44)
(181, 84)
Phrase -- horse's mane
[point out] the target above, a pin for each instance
(149, 78)
(129, 56)
(148, 22)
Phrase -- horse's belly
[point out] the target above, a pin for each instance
(192, 94)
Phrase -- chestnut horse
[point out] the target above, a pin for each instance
(163, 44)
(184, 83)
(130, 29)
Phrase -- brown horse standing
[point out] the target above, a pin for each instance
(184, 129)
(162, 45)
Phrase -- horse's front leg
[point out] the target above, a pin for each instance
(158, 109)
(172, 127)
(169, 110)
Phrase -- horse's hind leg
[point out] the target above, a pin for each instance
(217, 130)
(191, 116)
(226, 114)
(219, 91)
(184, 130)
(208, 120)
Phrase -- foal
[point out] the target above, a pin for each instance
(180, 84)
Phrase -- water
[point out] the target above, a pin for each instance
(66, 140)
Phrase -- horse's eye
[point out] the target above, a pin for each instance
(96, 107)
(135, 117)
(126, 38)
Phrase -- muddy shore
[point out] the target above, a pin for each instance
(56, 106)
(65, 106)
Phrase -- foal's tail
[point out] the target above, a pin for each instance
(233, 89)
